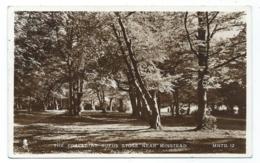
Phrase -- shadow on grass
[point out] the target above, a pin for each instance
(44, 130)
(97, 118)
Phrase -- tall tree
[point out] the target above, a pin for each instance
(209, 24)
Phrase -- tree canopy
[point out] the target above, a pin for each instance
(137, 56)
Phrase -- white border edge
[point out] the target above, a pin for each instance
(12, 9)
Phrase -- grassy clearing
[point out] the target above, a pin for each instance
(95, 132)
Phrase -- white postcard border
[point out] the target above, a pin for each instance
(249, 92)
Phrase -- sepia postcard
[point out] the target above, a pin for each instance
(129, 82)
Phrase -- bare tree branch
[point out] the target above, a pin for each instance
(129, 14)
(120, 87)
(228, 61)
(188, 34)
(213, 31)
(208, 37)
(213, 18)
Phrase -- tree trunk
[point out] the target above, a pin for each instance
(172, 110)
(70, 83)
(188, 110)
(136, 110)
(93, 107)
(172, 104)
(70, 94)
(45, 105)
(177, 104)
(159, 104)
(103, 101)
(141, 100)
(74, 99)
(155, 119)
(78, 103)
(202, 98)
(82, 106)
(111, 104)
(121, 105)
(56, 104)
(79, 94)
(61, 103)
(139, 105)
(133, 100)
(30, 105)
(203, 63)
(147, 98)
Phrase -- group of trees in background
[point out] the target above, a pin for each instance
(152, 59)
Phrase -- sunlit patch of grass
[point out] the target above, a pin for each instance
(44, 130)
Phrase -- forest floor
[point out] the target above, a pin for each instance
(96, 132)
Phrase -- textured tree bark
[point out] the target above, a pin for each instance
(61, 103)
(74, 98)
(45, 106)
(159, 104)
(82, 106)
(103, 101)
(202, 56)
(78, 103)
(132, 77)
(176, 101)
(111, 104)
(172, 106)
(101, 98)
(133, 100)
(203, 63)
(29, 109)
(121, 105)
(188, 110)
(93, 107)
(155, 122)
(133, 96)
(69, 66)
(155, 119)
(79, 95)
(70, 90)
(172, 110)
(201, 101)
(140, 107)
(56, 104)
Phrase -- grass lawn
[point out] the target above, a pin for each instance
(96, 132)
